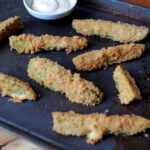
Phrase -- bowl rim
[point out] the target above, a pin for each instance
(50, 13)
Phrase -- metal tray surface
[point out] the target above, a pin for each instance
(33, 119)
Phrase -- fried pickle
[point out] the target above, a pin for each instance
(10, 26)
(55, 77)
(16, 88)
(95, 126)
(116, 31)
(28, 43)
(126, 86)
(107, 56)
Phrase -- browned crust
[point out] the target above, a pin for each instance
(107, 56)
(95, 126)
(10, 26)
(47, 42)
(55, 77)
(16, 88)
(116, 31)
(126, 86)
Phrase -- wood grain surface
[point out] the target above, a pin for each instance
(6, 138)
(10, 142)
(145, 3)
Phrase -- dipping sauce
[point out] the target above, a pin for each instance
(47, 6)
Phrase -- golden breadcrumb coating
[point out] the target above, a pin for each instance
(28, 43)
(55, 77)
(107, 56)
(95, 126)
(117, 31)
(10, 26)
(126, 86)
(16, 88)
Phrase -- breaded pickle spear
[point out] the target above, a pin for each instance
(10, 26)
(126, 86)
(16, 88)
(107, 56)
(28, 43)
(55, 77)
(95, 126)
(117, 31)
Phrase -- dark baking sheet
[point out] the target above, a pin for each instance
(33, 119)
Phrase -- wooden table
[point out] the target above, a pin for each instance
(145, 3)
(11, 142)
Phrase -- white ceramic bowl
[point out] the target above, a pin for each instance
(49, 16)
